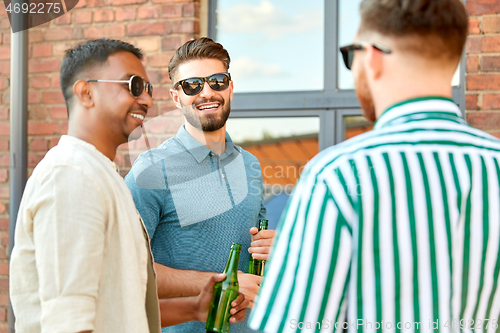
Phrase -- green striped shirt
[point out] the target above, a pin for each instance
(395, 230)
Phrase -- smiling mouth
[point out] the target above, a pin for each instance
(208, 107)
(138, 116)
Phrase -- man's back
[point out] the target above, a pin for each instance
(397, 226)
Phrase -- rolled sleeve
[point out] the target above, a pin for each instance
(69, 225)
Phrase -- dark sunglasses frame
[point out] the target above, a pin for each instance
(199, 89)
(147, 86)
(348, 51)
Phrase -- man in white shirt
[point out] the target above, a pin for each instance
(81, 260)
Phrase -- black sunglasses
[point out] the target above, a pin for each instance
(348, 51)
(194, 85)
(136, 85)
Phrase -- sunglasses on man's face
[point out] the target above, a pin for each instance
(194, 85)
(348, 51)
(136, 85)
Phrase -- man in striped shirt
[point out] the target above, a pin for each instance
(397, 229)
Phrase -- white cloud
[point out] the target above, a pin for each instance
(246, 68)
(268, 19)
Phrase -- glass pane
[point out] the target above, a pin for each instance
(349, 21)
(355, 125)
(274, 45)
(283, 146)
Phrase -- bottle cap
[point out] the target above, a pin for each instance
(236, 246)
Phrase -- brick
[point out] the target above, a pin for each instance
(37, 112)
(4, 300)
(54, 142)
(171, 11)
(63, 20)
(4, 270)
(55, 82)
(483, 82)
(153, 111)
(5, 23)
(33, 160)
(4, 176)
(490, 44)
(190, 10)
(39, 144)
(34, 97)
(471, 102)
(159, 60)
(4, 144)
(149, 12)
(105, 31)
(127, 2)
(3, 314)
(4, 82)
(4, 237)
(43, 66)
(59, 34)
(40, 82)
(4, 129)
(106, 15)
(474, 26)
(34, 36)
(4, 113)
(4, 283)
(484, 120)
(43, 128)
(81, 4)
(5, 67)
(4, 161)
(148, 28)
(171, 43)
(491, 24)
(59, 49)
(59, 113)
(490, 63)
(6, 38)
(491, 102)
(170, 109)
(95, 3)
(125, 14)
(4, 222)
(82, 17)
(473, 44)
(163, 125)
(4, 52)
(482, 7)
(185, 26)
(53, 97)
(150, 44)
(161, 94)
(153, 76)
(42, 50)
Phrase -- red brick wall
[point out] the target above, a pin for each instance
(159, 27)
(483, 66)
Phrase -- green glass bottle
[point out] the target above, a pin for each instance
(256, 266)
(225, 292)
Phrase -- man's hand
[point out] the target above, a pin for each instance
(261, 243)
(249, 286)
(205, 297)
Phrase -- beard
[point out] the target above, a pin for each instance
(365, 95)
(209, 122)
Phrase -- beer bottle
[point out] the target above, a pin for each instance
(225, 292)
(256, 266)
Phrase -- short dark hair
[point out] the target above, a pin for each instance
(201, 48)
(437, 28)
(86, 56)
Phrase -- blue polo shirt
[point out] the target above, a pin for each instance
(195, 204)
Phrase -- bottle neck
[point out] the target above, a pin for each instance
(231, 269)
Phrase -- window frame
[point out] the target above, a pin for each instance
(331, 104)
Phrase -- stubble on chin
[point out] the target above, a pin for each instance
(365, 96)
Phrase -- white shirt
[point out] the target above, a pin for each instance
(81, 255)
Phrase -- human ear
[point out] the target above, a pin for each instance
(83, 93)
(175, 97)
(374, 63)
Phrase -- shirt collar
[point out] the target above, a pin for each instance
(71, 140)
(418, 105)
(200, 151)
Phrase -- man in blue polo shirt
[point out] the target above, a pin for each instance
(198, 192)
